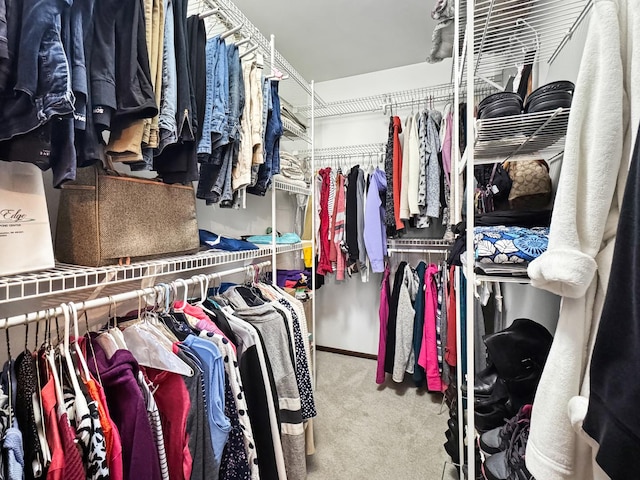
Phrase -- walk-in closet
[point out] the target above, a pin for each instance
(319, 240)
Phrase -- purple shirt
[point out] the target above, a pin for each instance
(128, 411)
(375, 237)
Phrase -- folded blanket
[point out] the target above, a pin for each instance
(285, 238)
(510, 244)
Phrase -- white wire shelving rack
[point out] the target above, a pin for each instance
(496, 35)
(294, 131)
(521, 137)
(338, 155)
(418, 246)
(510, 32)
(65, 278)
(157, 291)
(291, 188)
(418, 97)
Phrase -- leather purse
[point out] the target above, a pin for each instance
(108, 218)
(530, 184)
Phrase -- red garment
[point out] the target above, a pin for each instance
(451, 350)
(56, 467)
(73, 468)
(324, 265)
(333, 252)
(397, 171)
(338, 227)
(173, 402)
(111, 434)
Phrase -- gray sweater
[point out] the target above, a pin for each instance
(404, 358)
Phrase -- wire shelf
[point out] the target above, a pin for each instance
(294, 131)
(66, 278)
(346, 152)
(436, 94)
(506, 32)
(291, 188)
(521, 137)
(418, 243)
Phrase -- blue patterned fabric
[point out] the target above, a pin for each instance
(510, 244)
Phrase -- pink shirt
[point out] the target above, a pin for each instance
(204, 322)
(428, 358)
(384, 319)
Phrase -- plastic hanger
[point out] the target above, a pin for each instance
(38, 409)
(152, 349)
(108, 341)
(9, 378)
(81, 403)
(83, 362)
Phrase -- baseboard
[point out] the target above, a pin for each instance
(349, 353)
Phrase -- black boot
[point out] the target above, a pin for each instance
(519, 349)
(519, 354)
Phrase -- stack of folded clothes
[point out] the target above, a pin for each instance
(508, 250)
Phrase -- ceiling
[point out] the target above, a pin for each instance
(329, 39)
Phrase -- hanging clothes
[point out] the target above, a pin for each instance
(397, 175)
(324, 265)
(127, 408)
(388, 202)
(383, 313)
(419, 375)
(390, 349)
(428, 358)
(339, 227)
(404, 358)
(375, 238)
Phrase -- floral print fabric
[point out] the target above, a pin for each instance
(510, 244)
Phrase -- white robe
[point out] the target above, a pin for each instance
(602, 127)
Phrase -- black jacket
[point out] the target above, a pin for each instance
(612, 418)
(120, 73)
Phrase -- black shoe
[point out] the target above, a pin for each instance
(510, 464)
(497, 440)
(491, 416)
(451, 447)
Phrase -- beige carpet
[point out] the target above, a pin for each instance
(368, 432)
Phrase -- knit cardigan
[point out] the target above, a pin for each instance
(604, 115)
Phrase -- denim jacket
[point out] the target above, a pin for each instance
(41, 87)
(215, 100)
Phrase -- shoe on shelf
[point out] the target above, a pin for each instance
(451, 447)
(485, 381)
(509, 464)
(488, 417)
(497, 440)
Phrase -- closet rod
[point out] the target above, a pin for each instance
(209, 13)
(123, 297)
(444, 250)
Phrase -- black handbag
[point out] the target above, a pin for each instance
(494, 186)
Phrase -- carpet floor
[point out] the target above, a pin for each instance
(366, 431)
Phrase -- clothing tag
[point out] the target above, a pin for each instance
(495, 189)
